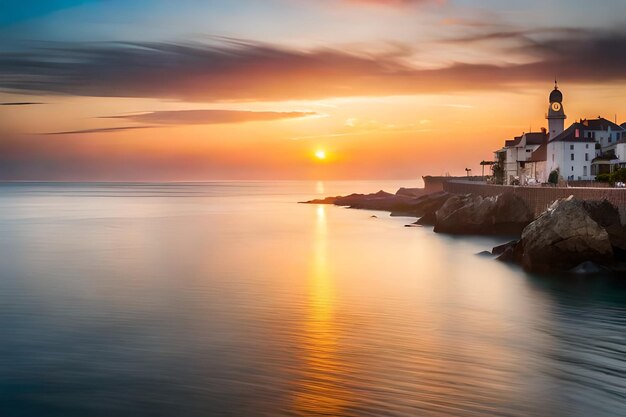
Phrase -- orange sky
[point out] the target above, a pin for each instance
(398, 104)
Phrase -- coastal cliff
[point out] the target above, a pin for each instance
(571, 235)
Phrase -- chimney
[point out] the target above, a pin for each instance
(544, 131)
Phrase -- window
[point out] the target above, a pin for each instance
(571, 147)
(572, 156)
(587, 146)
(586, 157)
(572, 169)
(585, 171)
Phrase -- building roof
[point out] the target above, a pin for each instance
(601, 124)
(569, 134)
(514, 142)
(532, 138)
(536, 138)
(540, 154)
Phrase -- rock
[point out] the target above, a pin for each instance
(485, 253)
(508, 255)
(428, 219)
(373, 217)
(411, 192)
(608, 217)
(425, 207)
(499, 250)
(563, 237)
(376, 201)
(431, 203)
(327, 200)
(587, 268)
(474, 214)
(400, 204)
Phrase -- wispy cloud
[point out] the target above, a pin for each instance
(20, 103)
(99, 130)
(175, 117)
(246, 71)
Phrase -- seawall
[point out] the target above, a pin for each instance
(433, 184)
(537, 198)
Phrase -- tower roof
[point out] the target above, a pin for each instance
(556, 95)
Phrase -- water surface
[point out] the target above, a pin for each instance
(227, 298)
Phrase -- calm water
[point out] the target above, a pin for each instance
(229, 299)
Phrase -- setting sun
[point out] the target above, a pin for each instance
(320, 154)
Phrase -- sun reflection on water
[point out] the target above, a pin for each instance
(321, 388)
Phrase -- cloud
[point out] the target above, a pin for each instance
(99, 130)
(175, 117)
(20, 103)
(523, 36)
(247, 71)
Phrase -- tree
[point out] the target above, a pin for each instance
(619, 175)
(498, 173)
(553, 178)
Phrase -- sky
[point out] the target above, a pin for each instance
(192, 90)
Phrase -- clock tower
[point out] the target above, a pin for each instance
(556, 116)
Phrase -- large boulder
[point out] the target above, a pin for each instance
(608, 217)
(563, 237)
(473, 214)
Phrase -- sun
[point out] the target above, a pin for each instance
(320, 154)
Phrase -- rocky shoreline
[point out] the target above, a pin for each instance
(570, 236)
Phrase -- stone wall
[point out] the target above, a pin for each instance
(592, 184)
(538, 198)
(432, 184)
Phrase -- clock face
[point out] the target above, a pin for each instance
(556, 106)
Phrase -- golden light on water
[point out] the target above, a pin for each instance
(321, 389)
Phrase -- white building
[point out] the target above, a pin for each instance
(516, 157)
(571, 153)
(580, 152)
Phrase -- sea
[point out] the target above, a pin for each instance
(229, 298)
